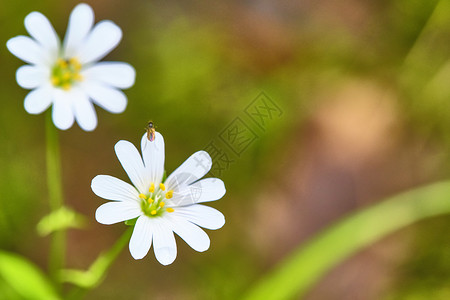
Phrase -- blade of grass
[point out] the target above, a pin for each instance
(301, 270)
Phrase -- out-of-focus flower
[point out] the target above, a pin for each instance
(69, 76)
(161, 208)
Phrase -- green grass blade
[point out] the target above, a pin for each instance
(300, 271)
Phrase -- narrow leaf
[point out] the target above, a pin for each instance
(307, 265)
(25, 278)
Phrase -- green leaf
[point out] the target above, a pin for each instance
(307, 265)
(25, 278)
(131, 222)
(60, 219)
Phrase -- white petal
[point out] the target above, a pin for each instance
(117, 74)
(205, 190)
(153, 155)
(85, 112)
(164, 244)
(27, 50)
(132, 163)
(141, 239)
(62, 113)
(104, 37)
(194, 168)
(38, 100)
(30, 77)
(111, 188)
(42, 31)
(195, 237)
(80, 23)
(201, 215)
(106, 97)
(114, 212)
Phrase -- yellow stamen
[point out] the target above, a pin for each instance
(55, 80)
(169, 194)
(150, 200)
(78, 77)
(170, 209)
(162, 186)
(153, 212)
(142, 196)
(75, 63)
(162, 204)
(66, 76)
(62, 63)
(152, 188)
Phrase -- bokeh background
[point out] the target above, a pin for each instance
(363, 91)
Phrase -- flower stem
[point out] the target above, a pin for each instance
(86, 280)
(55, 197)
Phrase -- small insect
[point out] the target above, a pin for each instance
(150, 131)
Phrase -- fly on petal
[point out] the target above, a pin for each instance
(150, 131)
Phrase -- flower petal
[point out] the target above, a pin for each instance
(195, 167)
(62, 113)
(204, 216)
(141, 239)
(42, 31)
(132, 163)
(106, 97)
(205, 190)
(38, 100)
(85, 112)
(153, 155)
(80, 23)
(111, 188)
(30, 77)
(114, 212)
(164, 244)
(195, 237)
(104, 37)
(27, 50)
(117, 74)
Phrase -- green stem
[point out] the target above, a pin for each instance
(55, 195)
(86, 280)
(299, 272)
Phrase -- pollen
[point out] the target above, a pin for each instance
(152, 188)
(78, 77)
(55, 80)
(170, 210)
(153, 212)
(162, 186)
(150, 200)
(162, 204)
(75, 63)
(142, 196)
(61, 63)
(65, 73)
(169, 194)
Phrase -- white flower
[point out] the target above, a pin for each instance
(69, 76)
(160, 208)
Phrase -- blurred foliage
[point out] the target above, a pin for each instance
(24, 278)
(198, 68)
(427, 273)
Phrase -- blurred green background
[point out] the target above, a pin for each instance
(363, 89)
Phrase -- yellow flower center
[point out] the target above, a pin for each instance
(65, 73)
(153, 203)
